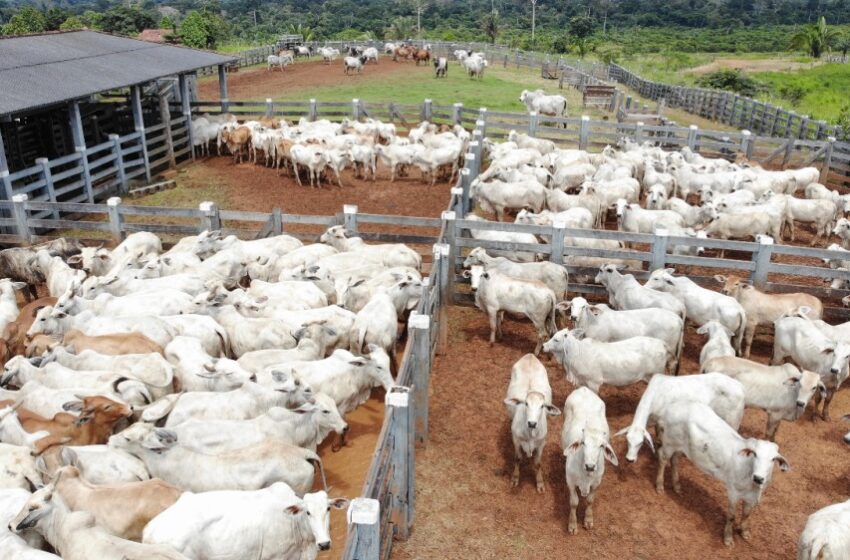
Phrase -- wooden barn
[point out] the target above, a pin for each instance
(63, 94)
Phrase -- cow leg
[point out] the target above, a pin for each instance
(674, 471)
(828, 399)
(588, 512)
(572, 527)
(662, 466)
(815, 408)
(745, 521)
(749, 334)
(772, 426)
(538, 471)
(494, 325)
(730, 520)
(515, 474)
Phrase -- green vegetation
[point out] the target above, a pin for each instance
(202, 30)
(815, 39)
(731, 80)
(820, 92)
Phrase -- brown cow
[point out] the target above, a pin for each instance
(237, 141)
(422, 55)
(122, 509)
(95, 423)
(15, 335)
(112, 344)
(403, 52)
(40, 344)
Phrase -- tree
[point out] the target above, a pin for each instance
(419, 6)
(126, 20)
(400, 28)
(843, 45)
(582, 45)
(533, 19)
(202, 30)
(54, 17)
(581, 27)
(815, 39)
(27, 20)
(167, 23)
(73, 22)
(308, 33)
(490, 25)
(92, 19)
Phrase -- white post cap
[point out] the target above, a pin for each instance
(206, 206)
(765, 240)
(349, 208)
(418, 321)
(114, 201)
(398, 396)
(19, 198)
(458, 190)
(448, 215)
(364, 511)
(662, 232)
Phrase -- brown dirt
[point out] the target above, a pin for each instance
(750, 65)
(259, 83)
(465, 502)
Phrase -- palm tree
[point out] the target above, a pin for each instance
(400, 28)
(814, 39)
(490, 25)
(306, 32)
(843, 45)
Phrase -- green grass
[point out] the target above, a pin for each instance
(826, 89)
(237, 45)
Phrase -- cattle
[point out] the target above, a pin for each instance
(718, 344)
(554, 276)
(529, 403)
(271, 523)
(18, 468)
(538, 101)
(824, 536)
(624, 292)
(475, 66)
(743, 465)
(111, 344)
(496, 293)
(441, 67)
(98, 464)
(77, 535)
(370, 53)
(14, 546)
(249, 468)
(354, 64)
(589, 363)
(764, 309)
(122, 509)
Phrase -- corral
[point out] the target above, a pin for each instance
(463, 499)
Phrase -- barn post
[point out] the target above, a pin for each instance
(47, 176)
(269, 108)
(583, 132)
(165, 119)
(761, 258)
(456, 116)
(692, 137)
(222, 88)
(420, 328)
(349, 213)
(457, 196)
(441, 257)
(314, 110)
(638, 132)
(468, 175)
(4, 170)
(789, 150)
(19, 212)
(659, 249)
(397, 400)
(532, 123)
(449, 227)
(482, 118)
(746, 143)
(827, 160)
(116, 220)
(119, 163)
(364, 515)
(557, 242)
(277, 221)
(186, 109)
(139, 122)
(210, 219)
(79, 139)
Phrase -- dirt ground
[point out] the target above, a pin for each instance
(465, 505)
(751, 65)
(259, 83)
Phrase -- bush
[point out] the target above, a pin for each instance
(793, 93)
(609, 54)
(731, 80)
(27, 20)
(202, 30)
(561, 45)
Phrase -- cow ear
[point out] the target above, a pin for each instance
(784, 466)
(358, 362)
(747, 452)
(720, 278)
(792, 380)
(339, 503)
(76, 259)
(514, 402)
(610, 455)
(294, 509)
(73, 406)
(577, 333)
(552, 410)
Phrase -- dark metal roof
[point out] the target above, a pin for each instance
(41, 70)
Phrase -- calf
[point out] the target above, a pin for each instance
(441, 67)
(496, 293)
(718, 344)
(529, 402)
(584, 439)
(112, 344)
(781, 391)
(589, 363)
(551, 274)
(122, 509)
(765, 309)
(624, 292)
(354, 64)
(744, 465)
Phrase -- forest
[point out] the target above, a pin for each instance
(633, 25)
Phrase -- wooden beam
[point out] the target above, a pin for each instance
(186, 109)
(139, 123)
(222, 88)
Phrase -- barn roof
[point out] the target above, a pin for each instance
(41, 70)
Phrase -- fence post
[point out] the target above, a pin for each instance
(277, 221)
(450, 228)
(557, 242)
(456, 110)
(19, 211)
(482, 118)
(761, 258)
(365, 513)
(397, 400)
(427, 110)
(457, 194)
(789, 150)
(638, 132)
(349, 213)
(44, 163)
(659, 249)
(119, 162)
(186, 110)
(747, 143)
(165, 119)
(314, 110)
(210, 219)
(584, 132)
(419, 327)
(355, 110)
(827, 160)
(466, 187)
(532, 123)
(116, 220)
(139, 123)
(692, 137)
(441, 257)
(269, 107)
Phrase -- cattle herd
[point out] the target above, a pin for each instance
(170, 404)
(639, 334)
(323, 147)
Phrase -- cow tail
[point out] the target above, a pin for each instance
(316, 461)
(680, 346)
(739, 335)
(552, 314)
